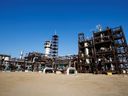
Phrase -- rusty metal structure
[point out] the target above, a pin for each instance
(36, 62)
(106, 51)
(55, 46)
(54, 51)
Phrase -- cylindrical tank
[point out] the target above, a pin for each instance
(86, 49)
(47, 47)
(7, 58)
(86, 52)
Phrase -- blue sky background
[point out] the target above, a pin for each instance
(26, 24)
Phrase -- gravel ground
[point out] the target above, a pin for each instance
(39, 84)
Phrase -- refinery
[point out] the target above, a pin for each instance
(105, 52)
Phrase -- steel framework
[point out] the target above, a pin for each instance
(106, 51)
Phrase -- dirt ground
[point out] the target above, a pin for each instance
(39, 84)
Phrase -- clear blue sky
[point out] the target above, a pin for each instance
(26, 24)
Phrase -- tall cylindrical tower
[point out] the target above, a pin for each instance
(47, 46)
(55, 46)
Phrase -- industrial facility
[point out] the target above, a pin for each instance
(106, 51)
(47, 62)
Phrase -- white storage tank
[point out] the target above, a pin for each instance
(7, 58)
(47, 47)
(86, 52)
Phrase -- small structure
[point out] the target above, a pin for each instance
(4, 62)
(48, 70)
(71, 70)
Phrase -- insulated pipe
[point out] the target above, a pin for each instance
(86, 52)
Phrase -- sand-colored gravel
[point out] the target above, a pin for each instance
(39, 84)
